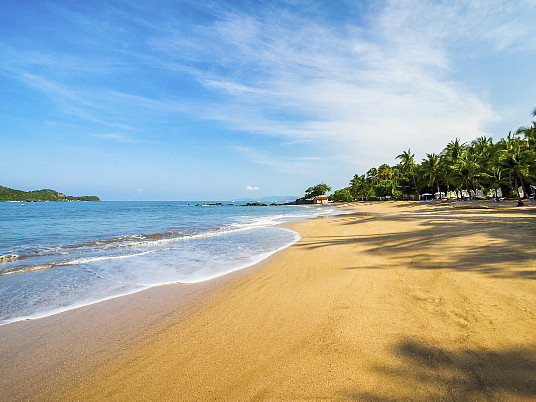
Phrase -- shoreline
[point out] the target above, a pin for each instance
(143, 311)
(255, 259)
(75, 342)
(341, 311)
(54, 312)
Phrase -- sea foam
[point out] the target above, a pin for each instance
(106, 250)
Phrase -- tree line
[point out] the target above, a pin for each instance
(507, 165)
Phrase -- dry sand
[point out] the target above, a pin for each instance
(401, 301)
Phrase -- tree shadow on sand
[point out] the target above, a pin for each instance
(503, 241)
(459, 375)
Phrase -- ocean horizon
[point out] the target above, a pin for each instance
(59, 256)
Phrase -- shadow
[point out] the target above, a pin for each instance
(434, 205)
(458, 375)
(488, 242)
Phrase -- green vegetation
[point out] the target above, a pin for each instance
(342, 195)
(9, 194)
(319, 189)
(480, 167)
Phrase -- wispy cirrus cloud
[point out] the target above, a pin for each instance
(370, 91)
(357, 89)
(103, 105)
(284, 164)
(116, 137)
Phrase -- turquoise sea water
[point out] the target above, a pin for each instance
(58, 256)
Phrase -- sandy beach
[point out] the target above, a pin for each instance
(396, 301)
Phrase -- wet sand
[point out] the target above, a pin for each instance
(399, 301)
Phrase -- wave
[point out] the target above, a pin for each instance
(9, 257)
(126, 242)
(143, 241)
(137, 287)
(74, 306)
(76, 261)
(86, 273)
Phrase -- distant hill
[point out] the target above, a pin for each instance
(10, 194)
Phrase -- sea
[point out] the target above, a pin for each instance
(57, 256)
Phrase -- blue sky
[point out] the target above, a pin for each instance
(186, 100)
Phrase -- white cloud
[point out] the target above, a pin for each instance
(103, 105)
(252, 188)
(368, 93)
(283, 164)
(365, 91)
(117, 137)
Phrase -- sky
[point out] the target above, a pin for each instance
(219, 100)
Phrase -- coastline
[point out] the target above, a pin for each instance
(63, 253)
(40, 356)
(70, 343)
(258, 260)
(397, 301)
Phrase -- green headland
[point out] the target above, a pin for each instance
(10, 194)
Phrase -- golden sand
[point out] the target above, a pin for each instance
(400, 301)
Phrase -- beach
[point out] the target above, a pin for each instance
(395, 301)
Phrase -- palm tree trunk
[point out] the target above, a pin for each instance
(415, 184)
(519, 202)
(525, 192)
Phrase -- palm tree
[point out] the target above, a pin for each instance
(481, 148)
(450, 156)
(446, 174)
(529, 133)
(407, 160)
(453, 151)
(432, 169)
(360, 187)
(482, 141)
(495, 179)
(372, 175)
(466, 172)
(515, 161)
(385, 172)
